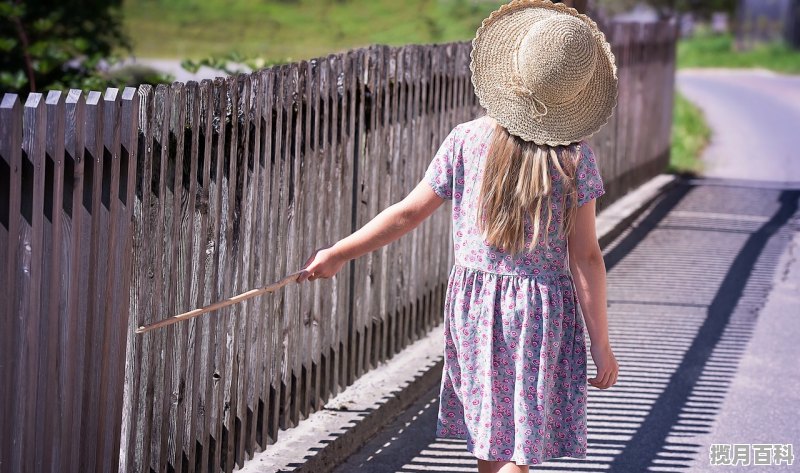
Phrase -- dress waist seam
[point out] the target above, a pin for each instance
(534, 276)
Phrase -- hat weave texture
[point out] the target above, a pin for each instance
(544, 71)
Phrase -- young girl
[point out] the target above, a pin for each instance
(523, 182)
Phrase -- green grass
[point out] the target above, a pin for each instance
(690, 135)
(281, 30)
(690, 132)
(709, 50)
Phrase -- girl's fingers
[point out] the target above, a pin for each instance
(596, 380)
(612, 378)
(310, 259)
(601, 375)
(602, 378)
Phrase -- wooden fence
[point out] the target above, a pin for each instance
(125, 207)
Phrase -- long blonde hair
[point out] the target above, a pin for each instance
(516, 182)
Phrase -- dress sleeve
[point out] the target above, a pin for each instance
(439, 174)
(589, 180)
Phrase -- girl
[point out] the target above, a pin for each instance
(523, 182)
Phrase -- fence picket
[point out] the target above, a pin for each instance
(29, 274)
(11, 134)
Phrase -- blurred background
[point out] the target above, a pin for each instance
(93, 44)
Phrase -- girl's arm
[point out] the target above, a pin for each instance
(589, 273)
(386, 227)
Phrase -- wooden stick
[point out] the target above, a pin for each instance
(218, 305)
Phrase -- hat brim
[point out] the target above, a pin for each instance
(579, 118)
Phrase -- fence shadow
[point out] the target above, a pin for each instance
(679, 335)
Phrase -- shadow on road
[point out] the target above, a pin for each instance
(685, 284)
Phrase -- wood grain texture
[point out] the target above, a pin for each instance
(11, 134)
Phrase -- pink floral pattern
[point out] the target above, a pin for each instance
(514, 380)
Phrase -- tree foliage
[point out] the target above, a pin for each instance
(57, 43)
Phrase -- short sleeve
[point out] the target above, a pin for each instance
(439, 174)
(589, 180)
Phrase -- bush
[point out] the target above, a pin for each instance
(59, 44)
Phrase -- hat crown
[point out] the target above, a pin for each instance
(556, 58)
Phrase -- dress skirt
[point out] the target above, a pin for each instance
(514, 378)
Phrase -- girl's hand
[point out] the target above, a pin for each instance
(607, 367)
(324, 263)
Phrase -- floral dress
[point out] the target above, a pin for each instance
(514, 379)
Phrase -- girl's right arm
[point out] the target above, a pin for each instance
(589, 273)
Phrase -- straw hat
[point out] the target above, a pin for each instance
(544, 71)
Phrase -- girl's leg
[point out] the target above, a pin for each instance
(485, 466)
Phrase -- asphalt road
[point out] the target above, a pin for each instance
(755, 116)
(704, 300)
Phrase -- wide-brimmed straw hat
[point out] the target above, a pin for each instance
(544, 71)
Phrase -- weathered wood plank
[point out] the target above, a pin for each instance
(294, 347)
(157, 364)
(309, 196)
(29, 274)
(383, 132)
(320, 293)
(300, 217)
(182, 228)
(143, 305)
(378, 182)
(49, 396)
(96, 221)
(338, 213)
(396, 170)
(267, 271)
(277, 235)
(129, 142)
(229, 250)
(11, 124)
(73, 331)
(348, 91)
(110, 344)
(187, 267)
(416, 245)
(199, 114)
(215, 281)
(243, 328)
(254, 272)
(410, 179)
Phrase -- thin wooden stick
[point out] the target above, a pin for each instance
(218, 305)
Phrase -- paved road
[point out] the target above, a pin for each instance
(756, 119)
(704, 299)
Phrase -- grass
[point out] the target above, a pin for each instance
(690, 135)
(690, 132)
(708, 50)
(290, 30)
